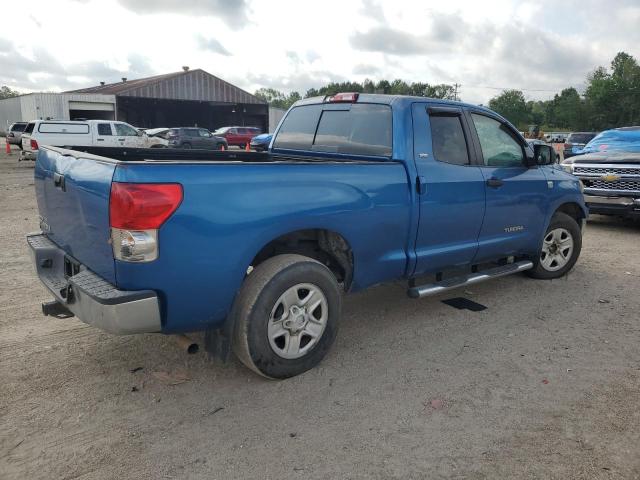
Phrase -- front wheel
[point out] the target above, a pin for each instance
(560, 248)
(286, 316)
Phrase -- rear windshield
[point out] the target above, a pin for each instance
(29, 128)
(18, 127)
(67, 128)
(362, 129)
(581, 137)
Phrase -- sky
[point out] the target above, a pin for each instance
(485, 46)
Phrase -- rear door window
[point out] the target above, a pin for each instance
(448, 140)
(104, 129)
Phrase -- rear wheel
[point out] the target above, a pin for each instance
(560, 248)
(286, 316)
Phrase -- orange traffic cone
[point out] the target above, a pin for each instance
(246, 147)
(222, 147)
(8, 148)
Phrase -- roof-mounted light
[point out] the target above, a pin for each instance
(347, 97)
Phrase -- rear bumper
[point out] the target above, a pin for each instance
(91, 298)
(626, 206)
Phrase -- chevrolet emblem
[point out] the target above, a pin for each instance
(610, 177)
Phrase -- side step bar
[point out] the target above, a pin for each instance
(463, 281)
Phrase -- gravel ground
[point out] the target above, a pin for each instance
(544, 383)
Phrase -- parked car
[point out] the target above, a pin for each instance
(238, 136)
(255, 248)
(609, 168)
(535, 141)
(193, 137)
(576, 142)
(555, 137)
(14, 133)
(261, 142)
(78, 133)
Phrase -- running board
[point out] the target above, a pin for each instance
(472, 278)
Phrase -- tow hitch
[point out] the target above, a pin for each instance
(56, 309)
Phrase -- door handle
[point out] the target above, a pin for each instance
(495, 182)
(121, 139)
(101, 139)
(58, 181)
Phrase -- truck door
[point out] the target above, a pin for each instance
(517, 195)
(104, 135)
(451, 192)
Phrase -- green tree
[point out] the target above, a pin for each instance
(511, 105)
(276, 98)
(613, 98)
(6, 92)
(567, 108)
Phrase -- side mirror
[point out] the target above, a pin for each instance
(543, 154)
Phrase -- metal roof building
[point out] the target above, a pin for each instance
(185, 98)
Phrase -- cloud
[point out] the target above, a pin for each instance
(366, 69)
(372, 9)
(42, 71)
(389, 40)
(212, 45)
(233, 12)
(299, 81)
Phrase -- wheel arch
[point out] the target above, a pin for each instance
(327, 246)
(574, 210)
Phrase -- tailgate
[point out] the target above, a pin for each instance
(73, 202)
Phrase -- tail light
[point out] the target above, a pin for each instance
(136, 212)
(34, 144)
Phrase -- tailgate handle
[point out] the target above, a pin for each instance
(58, 181)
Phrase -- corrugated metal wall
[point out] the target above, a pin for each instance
(9, 112)
(45, 105)
(275, 115)
(196, 85)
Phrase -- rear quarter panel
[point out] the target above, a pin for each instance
(230, 211)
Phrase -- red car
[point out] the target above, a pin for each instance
(239, 136)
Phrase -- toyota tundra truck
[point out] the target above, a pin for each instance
(257, 249)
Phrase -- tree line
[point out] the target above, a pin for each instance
(279, 99)
(611, 98)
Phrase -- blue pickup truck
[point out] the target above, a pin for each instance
(256, 249)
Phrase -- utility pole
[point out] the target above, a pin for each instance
(455, 92)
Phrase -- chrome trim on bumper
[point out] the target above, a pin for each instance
(621, 201)
(91, 298)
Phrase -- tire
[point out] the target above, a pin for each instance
(186, 145)
(555, 259)
(268, 338)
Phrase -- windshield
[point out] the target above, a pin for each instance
(222, 130)
(18, 127)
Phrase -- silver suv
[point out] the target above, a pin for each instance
(14, 133)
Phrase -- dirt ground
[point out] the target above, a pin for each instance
(544, 383)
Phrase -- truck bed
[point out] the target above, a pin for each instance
(122, 154)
